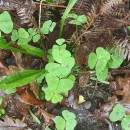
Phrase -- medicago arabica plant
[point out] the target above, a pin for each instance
(58, 77)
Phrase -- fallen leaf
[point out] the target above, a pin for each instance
(10, 124)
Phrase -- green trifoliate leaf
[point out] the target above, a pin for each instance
(117, 113)
(92, 60)
(68, 115)
(47, 27)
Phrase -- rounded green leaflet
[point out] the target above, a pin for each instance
(22, 41)
(68, 115)
(64, 86)
(117, 113)
(71, 15)
(14, 35)
(45, 27)
(115, 61)
(48, 94)
(102, 75)
(68, 63)
(2, 111)
(32, 31)
(101, 64)
(60, 41)
(72, 77)
(71, 124)
(102, 54)
(70, 119)
(92, 59)
(60, 55)
(52, 81)
(53, 68)
(60, 123)
(125, 123)
(36, 38)
(75, 22)
(6, 24)
(57, 98)
(23, 33)
(82, 19)
(52, 26)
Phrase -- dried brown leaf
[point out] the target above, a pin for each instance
(10, 124)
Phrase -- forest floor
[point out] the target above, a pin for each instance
(91, 99)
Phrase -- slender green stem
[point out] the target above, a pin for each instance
(68, 9)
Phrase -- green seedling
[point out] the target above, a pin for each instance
(102, 60)
(118, 114)
(69, 7)
(23, 37)
(47, 27)
(59, 81)
(67, 122)
(34, 35)
(34, 117)
(78, 20)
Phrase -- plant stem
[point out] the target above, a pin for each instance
(69, 7)
(40, 10)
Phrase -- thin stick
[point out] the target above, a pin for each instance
(57, 6)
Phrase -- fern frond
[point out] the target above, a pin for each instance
(25, 13)
(124, 48)
(109, 5)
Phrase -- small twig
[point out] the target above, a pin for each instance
(119, 20)
(57, 6)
